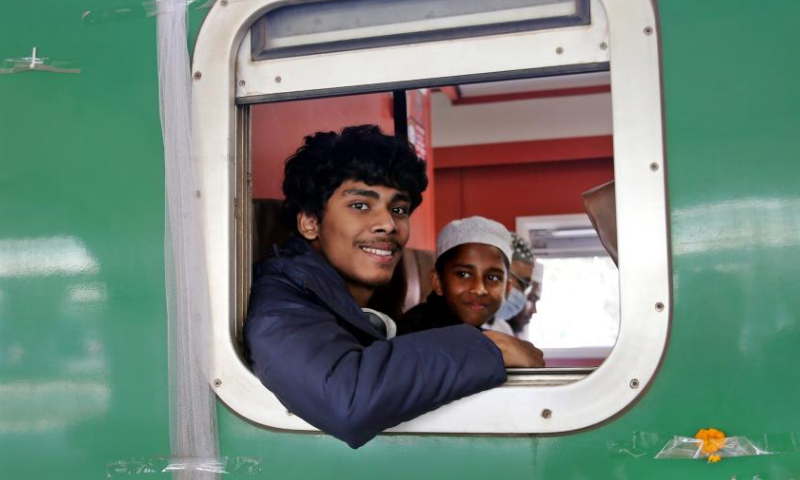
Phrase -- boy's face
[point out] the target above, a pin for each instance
(473, 282)
(362, 233)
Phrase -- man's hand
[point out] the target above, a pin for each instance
(516, 352)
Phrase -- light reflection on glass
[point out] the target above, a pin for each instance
(45, 256)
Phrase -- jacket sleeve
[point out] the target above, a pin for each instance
(320, 372)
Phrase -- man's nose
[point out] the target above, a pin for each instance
(383, 222)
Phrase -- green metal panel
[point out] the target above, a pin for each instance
(83, 372)
(83, 378)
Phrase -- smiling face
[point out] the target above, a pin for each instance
(362, 234)
(473, 282)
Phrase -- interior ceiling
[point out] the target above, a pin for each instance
(535, 84)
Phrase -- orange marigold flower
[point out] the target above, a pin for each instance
(711, 441)
(714, 458)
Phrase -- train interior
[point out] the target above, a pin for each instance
(534, 154)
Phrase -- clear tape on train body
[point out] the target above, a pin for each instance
(639, 445)
(148, 8)
(690, 447)
(652, 445)
(151, 465)
(134, 10)
(36, 63)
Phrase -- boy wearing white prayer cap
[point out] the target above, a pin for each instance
(470, 280)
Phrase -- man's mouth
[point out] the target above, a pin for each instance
(377, 251)
(380, 249)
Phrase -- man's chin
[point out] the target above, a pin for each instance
(372, 282)
(378, 282)
(376, 276)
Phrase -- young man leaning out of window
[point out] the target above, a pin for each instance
(349, 197)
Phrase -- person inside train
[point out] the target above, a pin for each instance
(525, 277)
(348, 197)
(469, 280)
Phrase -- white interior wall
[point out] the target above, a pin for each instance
(520, 120)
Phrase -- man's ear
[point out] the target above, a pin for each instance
(436, 283)
(508, 287)
(308, 226)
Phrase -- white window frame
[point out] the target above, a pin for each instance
(623, 29)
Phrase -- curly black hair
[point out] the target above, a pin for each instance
(362, 153)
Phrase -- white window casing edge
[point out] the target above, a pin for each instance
(640, 189)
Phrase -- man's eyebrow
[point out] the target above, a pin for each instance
(361, 192)
(401, 197)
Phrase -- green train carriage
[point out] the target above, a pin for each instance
(705, 149)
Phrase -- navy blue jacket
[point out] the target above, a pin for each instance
(313, 347)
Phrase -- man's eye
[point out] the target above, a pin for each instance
(495, 278)
(463, 274)
(360, 206)
(400, 210)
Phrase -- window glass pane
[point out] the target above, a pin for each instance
(333, 26)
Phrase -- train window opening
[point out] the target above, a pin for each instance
(234, 90)
(475, 169)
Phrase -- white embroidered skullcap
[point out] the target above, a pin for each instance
(521, 249)
(474, 230)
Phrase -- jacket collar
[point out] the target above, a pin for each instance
(306, 267)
